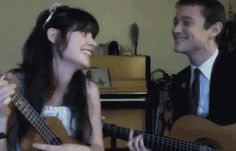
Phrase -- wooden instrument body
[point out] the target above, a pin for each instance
(56, 126)
(194, 129)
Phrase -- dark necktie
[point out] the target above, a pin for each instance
(195, 92)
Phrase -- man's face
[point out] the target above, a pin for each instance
(188, 30)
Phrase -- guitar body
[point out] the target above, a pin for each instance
(197, 129)
(33, 137)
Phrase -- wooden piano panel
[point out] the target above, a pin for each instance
(125, 105)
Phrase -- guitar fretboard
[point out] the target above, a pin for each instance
(34, 118)
(155, 142)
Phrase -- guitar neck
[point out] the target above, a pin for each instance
(152, 141)
(34, 118)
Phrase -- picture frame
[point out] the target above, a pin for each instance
(100, 76)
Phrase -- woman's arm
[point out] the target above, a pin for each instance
(94, 108)
(7, 89)
(3, 129)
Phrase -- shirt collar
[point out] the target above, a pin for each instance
(206, 67)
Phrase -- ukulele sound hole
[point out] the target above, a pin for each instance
(56, 141)
(207, 143)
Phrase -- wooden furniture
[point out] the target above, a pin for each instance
(126, 103)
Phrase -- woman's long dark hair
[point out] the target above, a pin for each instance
(39, 82)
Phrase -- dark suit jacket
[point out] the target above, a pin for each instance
(222, 97)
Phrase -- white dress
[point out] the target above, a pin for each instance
(62, 113)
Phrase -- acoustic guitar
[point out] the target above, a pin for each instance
(189, 133)
(49, 130)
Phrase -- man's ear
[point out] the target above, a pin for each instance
(52, 34)
(216, 28)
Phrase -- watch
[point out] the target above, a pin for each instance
(2, 135)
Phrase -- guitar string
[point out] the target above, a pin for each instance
(181, 144)
(43, 128)
(124, 132)
(49, 134)
(34, 121)
(164, 141)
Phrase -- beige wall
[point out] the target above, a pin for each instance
(154, 18)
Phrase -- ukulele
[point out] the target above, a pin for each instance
(50, 131)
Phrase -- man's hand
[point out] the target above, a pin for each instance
(136, 143)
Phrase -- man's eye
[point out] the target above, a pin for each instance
(175, 22)
(187, 23)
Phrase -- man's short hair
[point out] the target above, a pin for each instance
(213, 11)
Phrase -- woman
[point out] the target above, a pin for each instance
(51, 80)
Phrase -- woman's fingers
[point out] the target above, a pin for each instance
(6, 91)
(7, 101)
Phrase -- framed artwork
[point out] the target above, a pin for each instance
(100, 76)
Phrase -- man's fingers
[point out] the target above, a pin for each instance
(137, 141)
(134, 143)
(141, 144)
(131, 133)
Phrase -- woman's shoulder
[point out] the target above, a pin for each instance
(92, 87)
(92, 91)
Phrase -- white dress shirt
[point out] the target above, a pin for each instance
(205, 77)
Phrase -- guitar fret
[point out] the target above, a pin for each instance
(34, 118)
(156, 142)
(148, 139)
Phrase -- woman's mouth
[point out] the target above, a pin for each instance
(87, 51)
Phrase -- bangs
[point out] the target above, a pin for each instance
(87, 27)
(70, 19)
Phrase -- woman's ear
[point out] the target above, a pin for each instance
(52, 34)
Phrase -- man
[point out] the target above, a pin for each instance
(196, 30)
